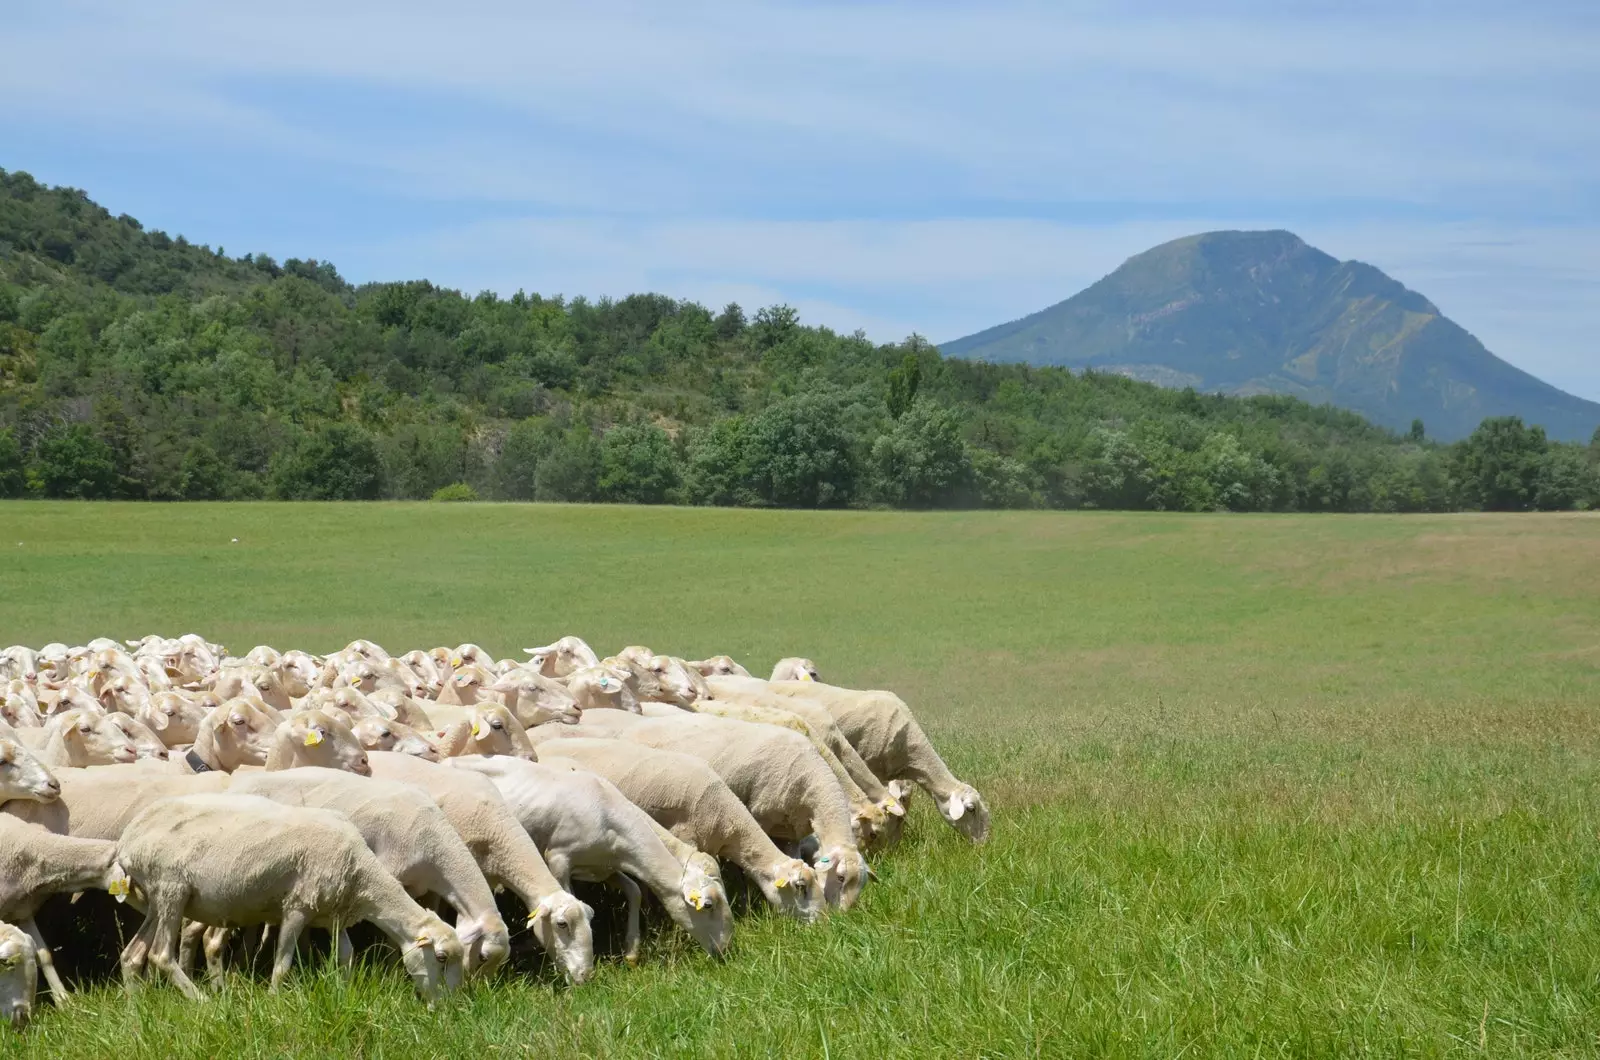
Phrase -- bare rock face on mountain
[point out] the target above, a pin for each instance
(1263, 312)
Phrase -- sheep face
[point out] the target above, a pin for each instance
(537, 700)
(843, 872)
(563, 657)
(320, 739)
(486, 943)
(376, 734)
(435, 960)
(18, 712)
(711, 921)
(561, 923)
(171, 717)
(678, 686)
(966, 812)
(95, 739)
(795, 669)
(796, 889)
(145, 742)
(23, 776)
(496, 732)
(19, 976)
(720, 666)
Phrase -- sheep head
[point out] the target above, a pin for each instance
(719, 666)
(843, 872)
(19, 976)
(317, 738)
(964, 808)
(377, 734)
(496, 732)
(23, 776)
(434, 959)
(536, 699)
(562, 925)
(795, 887)
(795, 669)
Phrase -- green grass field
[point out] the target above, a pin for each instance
(1262, 786)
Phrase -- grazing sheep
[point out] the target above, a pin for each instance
(589, 830)
(505, 854)
(36, 863)
(79, 738)
(19, 976)
(720, 666)
(775, 772)
(886, 734)
(412, 838)
(235, 860)
(687, 797)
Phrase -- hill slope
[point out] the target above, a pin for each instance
(1263, 312)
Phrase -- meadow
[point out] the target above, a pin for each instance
(1261, 785)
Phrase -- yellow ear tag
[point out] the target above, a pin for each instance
(696, 901)
(475, 730)
(118, 889)
(313, 737)
(423, 940)
(531, 918)
(455, 660)
(781, 882)
(805, 675)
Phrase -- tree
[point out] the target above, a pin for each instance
(921, 462)
(516, 470)
(13, 482)
(637, 465)
(1498, 465)
(798, 454)
(203, 476)
(571, 470)
(1417, 432)
(339, 463)
(72, 462)
(903, 384)
(730, 322)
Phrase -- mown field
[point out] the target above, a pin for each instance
(1262, 786)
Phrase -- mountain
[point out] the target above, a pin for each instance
(1264, 313)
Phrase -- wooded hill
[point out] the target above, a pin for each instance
(138, 365)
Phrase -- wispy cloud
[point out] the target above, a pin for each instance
(895, 166)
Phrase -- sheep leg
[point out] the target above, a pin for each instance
(294, 922)
(343, 951)
(166, 935)
(136, 953)
(47, 964)
(192, 931)
(216, 945)
(630, 937)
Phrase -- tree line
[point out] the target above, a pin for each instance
(135, 365)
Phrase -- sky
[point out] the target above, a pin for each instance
(931, 167)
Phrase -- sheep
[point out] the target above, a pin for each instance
(231, 859)
(20, 708)
(174, 717)
(883, 730)
(376, 734)
(720, 666)
(236, 733)
(79, 738)
(586, 828)
(534, 698)
(775, 772)
(19, 661)
(484, 730)
(463, 688)
(687, 797)
(506, 855)
(23, 778)
(425, 669)
(254, 682)
(795, 669)
(407, 709)
(751, 693)
(682, 685)
(146, 744)
(562, 657)
(314, 738)
(19, 976)
(412, 838)
(36, 863)
(604, 688)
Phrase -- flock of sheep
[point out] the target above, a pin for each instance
(291, 790)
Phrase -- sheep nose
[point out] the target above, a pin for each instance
(53, 786)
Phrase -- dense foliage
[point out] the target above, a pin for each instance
(138, 365)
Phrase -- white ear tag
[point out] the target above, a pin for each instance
(957, 807)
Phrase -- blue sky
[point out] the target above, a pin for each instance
(934, 167)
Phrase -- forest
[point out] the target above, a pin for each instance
(137, 365)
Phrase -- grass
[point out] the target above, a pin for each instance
(1262, 786)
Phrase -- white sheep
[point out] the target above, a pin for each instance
(687, 797)
(233, 859)
(562, 657)
(506, 855)
(587, 829)
(36, 863)
(413, 840)
(883, 730)
(79, 738)
(774, 771)
(19, 976)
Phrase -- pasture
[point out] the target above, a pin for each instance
(1262, 785)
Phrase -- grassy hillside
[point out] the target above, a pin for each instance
(1262, 312)
(1262, 785)
(138, 365)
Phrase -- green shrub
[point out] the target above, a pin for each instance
(456, 491)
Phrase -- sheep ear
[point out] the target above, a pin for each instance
(839, 870)
(158, 721)
(313, 737)
(956, 808)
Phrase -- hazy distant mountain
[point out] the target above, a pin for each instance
(1263, 312)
